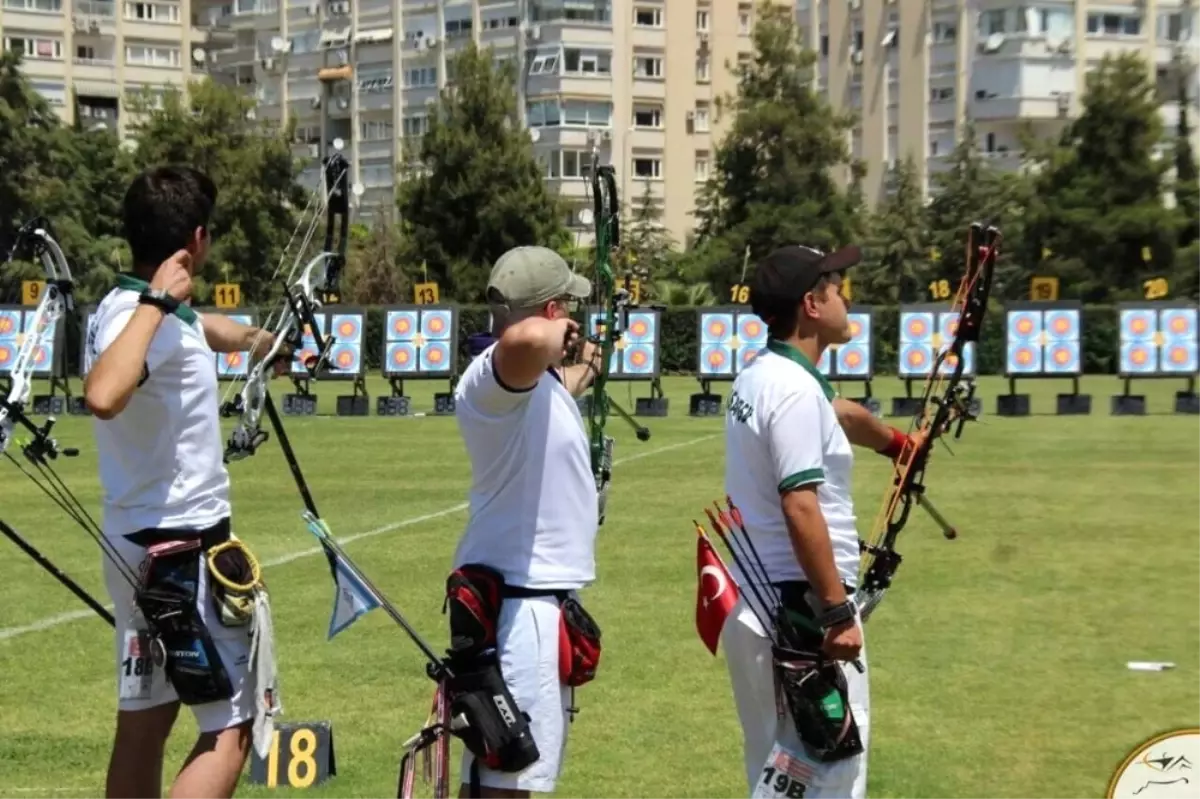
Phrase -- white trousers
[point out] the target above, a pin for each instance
(527, 637)
(751, 671)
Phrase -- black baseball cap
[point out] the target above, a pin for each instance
(783, 278)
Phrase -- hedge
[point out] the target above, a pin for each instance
(681, 325)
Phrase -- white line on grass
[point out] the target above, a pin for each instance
(72, 615)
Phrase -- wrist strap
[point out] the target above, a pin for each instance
(131, 283)
(895, 446)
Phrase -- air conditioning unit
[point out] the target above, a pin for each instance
(535, 33)
(268, 64)
(1064, 103)
(856, 57)
(704, 41)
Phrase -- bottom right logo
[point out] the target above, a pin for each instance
(1164, 766)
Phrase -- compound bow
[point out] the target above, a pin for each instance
(948, 400)
(296, 318)
(41, 450)
(614, 304)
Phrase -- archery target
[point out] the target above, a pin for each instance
(420, 341)
(10, 337)
(308, 347)
(730, 340)
(1156, 340)
(16, 325)
(232, 365)
(854, 357)
(926, 331)
(825, 365)
(1043, 340)
(635, 356)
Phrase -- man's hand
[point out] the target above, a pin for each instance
(843, 641)
(570, 335)
(174, 275)
(261, 343)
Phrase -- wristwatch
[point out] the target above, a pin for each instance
(160, 299)
(837, 614)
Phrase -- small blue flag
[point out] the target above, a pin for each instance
(353, 597)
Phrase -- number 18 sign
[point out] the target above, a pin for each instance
(301, 756)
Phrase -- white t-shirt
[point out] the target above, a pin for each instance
(533, 496)
(781, 432)
(161, 458)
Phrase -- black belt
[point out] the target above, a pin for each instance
(209, 537)
(791, 595)
(521, 592)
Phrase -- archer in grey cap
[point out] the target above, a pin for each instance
(527, 277)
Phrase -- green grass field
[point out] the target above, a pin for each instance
(998, 660)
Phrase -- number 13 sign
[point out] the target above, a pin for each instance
(301, 756)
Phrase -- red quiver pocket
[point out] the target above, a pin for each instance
(578, 644)
(473, 598)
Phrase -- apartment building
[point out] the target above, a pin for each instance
(915, 70)
(636, 79)
(84, 56)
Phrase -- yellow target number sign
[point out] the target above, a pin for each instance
(227, 295)
(940, 289)
(1043, 289)
(1155, 288)
(739, 293)
(425, 293)
(301, 756)
(31, 291)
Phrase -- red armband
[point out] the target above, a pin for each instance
(895, 446)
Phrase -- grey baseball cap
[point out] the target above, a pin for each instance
(525, 277)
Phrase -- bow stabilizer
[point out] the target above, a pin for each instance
(614, 303)
(948, 404)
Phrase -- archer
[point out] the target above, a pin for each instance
(181, 583)
(788, 473)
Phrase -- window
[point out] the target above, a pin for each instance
(34, 48)
(53, 92)
(1114, 24)
(944, 32)
(458, 28)
(744, 21)
(941, 94)
(152, 12)
(375, 130)
(586, 114)
(702, 20)
(414, 125)
(645, 116)
(991, 22)
(151, 55)
(648, 17)
(550, 163)
(542, 113)
(36, 6)
(418, 77)
(647, 67)
(1057, 22)
(702, 166)
(1174, 27)
(85, 52)
(544, 64)
(647, 168)
(702, 75)
(701, 118)
(576, 164)
(587, 62)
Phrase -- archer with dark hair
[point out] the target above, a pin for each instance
(152, 388)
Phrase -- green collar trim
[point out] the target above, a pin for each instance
(791, 353)
(131, 283)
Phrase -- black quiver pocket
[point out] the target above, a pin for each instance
(817, 698)
(180, 643)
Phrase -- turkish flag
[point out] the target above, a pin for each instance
(716, 594)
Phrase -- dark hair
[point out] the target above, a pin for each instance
(162, 207)
(783, 323)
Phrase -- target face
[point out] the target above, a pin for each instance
(916, 359)
(420, 341)
(716, 359)
(853, 360)
(10, 323)
(8, 354)
(716, 328)
(1157, 340)
(916, 327)
(729, 341)
(233, 364)
(15, 325)
(825, 365)
(1043, 340)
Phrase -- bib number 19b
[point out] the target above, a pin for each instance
(775, 784)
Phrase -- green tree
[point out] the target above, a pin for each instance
(971, 190)
(208, 126)
(773, 178)
(647, 247)
(1099, 195)
(476, 188)
(1187, 187)
(374, 275)
(896, 262)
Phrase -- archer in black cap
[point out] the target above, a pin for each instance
(796, 291)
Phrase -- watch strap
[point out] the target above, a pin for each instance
(131, 283)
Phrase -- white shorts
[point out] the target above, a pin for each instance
(748, 656)
(232, 643)
(527, 637)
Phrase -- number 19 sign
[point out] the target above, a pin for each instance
(301, 756)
